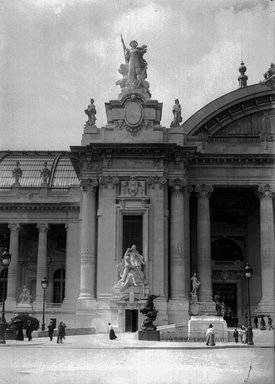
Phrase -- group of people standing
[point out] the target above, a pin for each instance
(19, 330)
(60, 331)
(263, 326)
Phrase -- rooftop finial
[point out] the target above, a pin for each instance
(242, 78)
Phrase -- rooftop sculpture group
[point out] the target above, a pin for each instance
(134, 70)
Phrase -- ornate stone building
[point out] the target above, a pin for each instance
(194, 198)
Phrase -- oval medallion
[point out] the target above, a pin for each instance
(133, 113)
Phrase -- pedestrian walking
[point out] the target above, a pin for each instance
(262, 324)
(236, 336)
(256, 321)
(112, 335)
(242, 334)
(51, 330)
(61, 332)
(269, 323)
(19, 333)
(29, 329)
(210, 336)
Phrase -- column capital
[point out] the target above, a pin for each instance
(265, 191)
(105, 180)
(204, 190)
(42, 227)
(156, 180)
(14, 227)
(177, 184)
(89, 185)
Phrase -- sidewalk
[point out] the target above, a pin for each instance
(126, 341)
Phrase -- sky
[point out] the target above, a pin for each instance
(57, 54)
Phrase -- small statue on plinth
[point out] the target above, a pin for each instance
(195, 284)
(91, 112)
(220, 305)
(269, 76)
(151, 314)
(177, 114)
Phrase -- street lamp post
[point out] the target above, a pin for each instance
(5, 262)
(44, 284)
(248, 271)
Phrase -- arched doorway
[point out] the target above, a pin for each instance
(227, 258)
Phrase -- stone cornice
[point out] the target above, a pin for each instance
(232, 159)
(38, 207)
(98, 152)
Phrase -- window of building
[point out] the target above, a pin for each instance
(59, 285)
(132, 232)
(3, 286)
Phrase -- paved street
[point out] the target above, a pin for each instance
(94, 359)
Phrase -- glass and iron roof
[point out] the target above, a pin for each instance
(31, 163)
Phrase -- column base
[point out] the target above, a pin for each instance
(85, 304)
(266, 307)
(178, 311)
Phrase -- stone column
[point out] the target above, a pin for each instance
(88, 245)
(204, 248)
(178, 303)
(72, 265)
(177, 237)
(41, 260)
(12, 273)
(266, 304)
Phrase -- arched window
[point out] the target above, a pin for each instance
(225, 250)
(59, 285)
(3, 287)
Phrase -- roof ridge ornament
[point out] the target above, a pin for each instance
(269, 76)
(242, 78)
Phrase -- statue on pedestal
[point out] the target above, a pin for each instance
(134, 71)
(177, 114)
(91, 112)
(130, 269)
(151, 314)
(195, 284)
(220, 305)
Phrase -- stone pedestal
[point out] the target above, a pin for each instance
(194, 305)
(149, 335)
(25, 308)
(198, 325)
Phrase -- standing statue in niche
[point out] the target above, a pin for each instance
(195, 284)
(134, 71)
(151, 314)
(130, 269)
(177, 114)
(91, 112)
